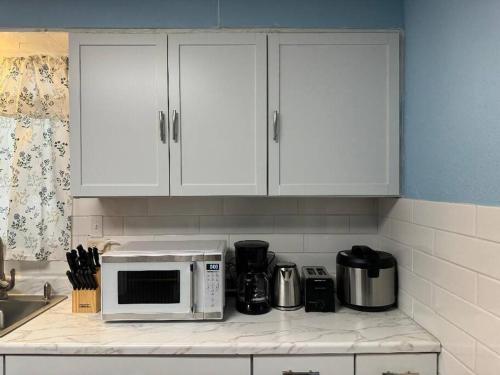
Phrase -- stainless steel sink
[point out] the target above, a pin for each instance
(19, 309)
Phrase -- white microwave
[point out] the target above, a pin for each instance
(164, 280)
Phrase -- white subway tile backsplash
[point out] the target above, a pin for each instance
(316, 243)
(311, 224)
(337, 206)
(405, 303)
(472, 319)
(192, 237)
(236, 224)
(112, 225)
(488, 223)
(454, 339)
(415, 236)
(160, 206)
(449, 365)
(80, 225)
(396, 208)
(120, 240)
(455, 264)
(453, 217)
(415, 286)
(455, 279)
(260, 206)
(402, 253)
(78, 240)
(156, 225)
(487, 362)
(280, 243)
(479, 255)
(110, 206)
(327, 260)
(488, 294)
(384, 227)
(363, 224)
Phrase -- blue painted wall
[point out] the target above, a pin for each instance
(201, 13)
(452, 110)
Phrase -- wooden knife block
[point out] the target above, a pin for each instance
(87, 301)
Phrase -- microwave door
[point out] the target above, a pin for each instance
(149, 287)
(148, 290)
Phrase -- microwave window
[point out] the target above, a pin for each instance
(160, 287)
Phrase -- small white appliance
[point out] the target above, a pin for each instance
(164, 280)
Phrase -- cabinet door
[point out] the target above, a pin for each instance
(123, 365)
(118, 86)
(334, 114)
(310, 364)
(218, 125)
(405, 364)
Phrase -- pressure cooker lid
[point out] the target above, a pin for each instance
(365, 257)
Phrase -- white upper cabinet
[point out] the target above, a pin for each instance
(333, 114)
(118, 86)
(218, 99)
(242, 114)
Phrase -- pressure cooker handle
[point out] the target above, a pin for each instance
(369, 254)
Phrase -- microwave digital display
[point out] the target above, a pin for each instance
(213, 266)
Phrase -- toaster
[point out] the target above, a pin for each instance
(319, 293)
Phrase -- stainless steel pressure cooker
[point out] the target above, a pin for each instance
(367, 279)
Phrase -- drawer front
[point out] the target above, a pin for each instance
(310, 364)
(122, 365)
(396, 364)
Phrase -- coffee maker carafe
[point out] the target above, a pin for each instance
(253, 294)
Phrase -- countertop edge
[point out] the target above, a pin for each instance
(214, 350)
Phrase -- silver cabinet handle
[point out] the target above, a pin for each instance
(175, 127)
(161, 121)
(275, 126)
(400, 373)
(290, 372)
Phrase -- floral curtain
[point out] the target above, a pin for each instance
(35, 202)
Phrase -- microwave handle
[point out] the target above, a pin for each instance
(191, 267)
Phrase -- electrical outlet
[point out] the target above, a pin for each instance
(95, 226)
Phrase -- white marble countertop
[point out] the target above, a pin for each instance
(57, 331)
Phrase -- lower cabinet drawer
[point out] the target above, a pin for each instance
(309, 364)
(122, 365)
(396, 364)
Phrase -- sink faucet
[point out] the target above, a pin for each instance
(5, 285)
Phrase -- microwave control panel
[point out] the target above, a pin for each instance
(213, 286)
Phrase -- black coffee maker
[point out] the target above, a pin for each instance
(252, 272)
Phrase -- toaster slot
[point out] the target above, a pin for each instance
(321, 272)
(310, 271)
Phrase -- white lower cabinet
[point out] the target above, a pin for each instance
(363, 364)
(120, 365)
(396, 364)
(309, 364)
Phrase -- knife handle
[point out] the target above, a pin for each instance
(90, 261)
(71, 280)
(82, 280)
(69, 259)
(92, 280)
